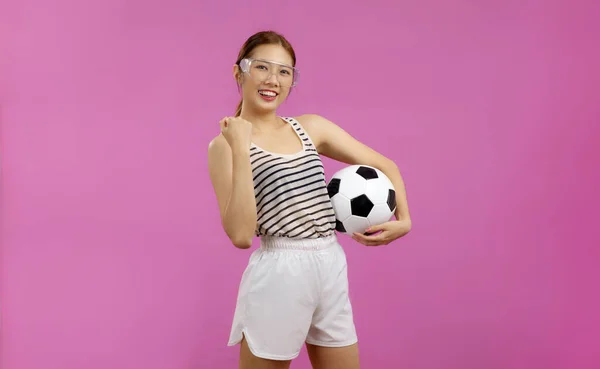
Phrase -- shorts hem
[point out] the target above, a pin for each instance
(333, 344)
(261, 355)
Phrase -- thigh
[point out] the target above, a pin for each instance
(333, 357)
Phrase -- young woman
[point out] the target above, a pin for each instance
(269, 182)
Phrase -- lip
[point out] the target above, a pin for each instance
(264, 89)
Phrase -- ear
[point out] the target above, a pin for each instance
(237, 74)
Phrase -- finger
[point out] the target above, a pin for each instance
(358, 239)
(376, 228)
(366, 240)
(227, 122)
(375, 238)
(374, 243)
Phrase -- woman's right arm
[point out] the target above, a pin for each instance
(231, 177)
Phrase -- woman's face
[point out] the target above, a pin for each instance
(266, 77)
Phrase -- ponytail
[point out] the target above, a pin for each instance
(238, 111)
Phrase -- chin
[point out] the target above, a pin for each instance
(268, 106)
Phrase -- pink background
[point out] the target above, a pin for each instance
(112, 252)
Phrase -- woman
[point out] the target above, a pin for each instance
(269, 182)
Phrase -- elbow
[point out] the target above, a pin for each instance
(241, 239)
(240, 234)
(242, 242)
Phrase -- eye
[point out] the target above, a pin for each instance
(285, 71)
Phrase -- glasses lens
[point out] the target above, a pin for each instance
(261, 71)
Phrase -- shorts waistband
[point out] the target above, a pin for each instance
(284, 243)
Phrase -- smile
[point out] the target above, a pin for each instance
(267, 93)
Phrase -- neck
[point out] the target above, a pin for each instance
(262, 122)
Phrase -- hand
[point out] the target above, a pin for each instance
(388, 232)
(237, 132)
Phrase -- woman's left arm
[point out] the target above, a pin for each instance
(335, 143)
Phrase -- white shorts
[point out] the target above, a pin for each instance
(292, 292)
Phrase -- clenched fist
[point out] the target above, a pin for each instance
(237, 132)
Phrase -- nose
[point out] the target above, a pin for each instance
(272, 79)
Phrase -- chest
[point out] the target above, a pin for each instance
(287, 141)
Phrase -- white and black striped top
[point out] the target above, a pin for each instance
(291, 191)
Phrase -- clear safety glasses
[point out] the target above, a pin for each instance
(262, 70)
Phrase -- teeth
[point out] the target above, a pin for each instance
(267, 93)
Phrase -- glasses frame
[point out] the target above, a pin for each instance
(246, 62)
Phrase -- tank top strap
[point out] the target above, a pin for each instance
(301, 132)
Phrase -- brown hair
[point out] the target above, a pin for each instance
(263, 38)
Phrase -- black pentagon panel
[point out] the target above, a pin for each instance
(367, 173)
(339, 226)
(391, 200)
(333, 186)
(361, 206)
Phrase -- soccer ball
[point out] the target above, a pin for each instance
(362, 196)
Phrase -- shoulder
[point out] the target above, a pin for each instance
(317, 126)
(217, 142)
(217, 147)
(320, 129)
(311, 121)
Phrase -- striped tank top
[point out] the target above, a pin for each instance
(291, 191)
